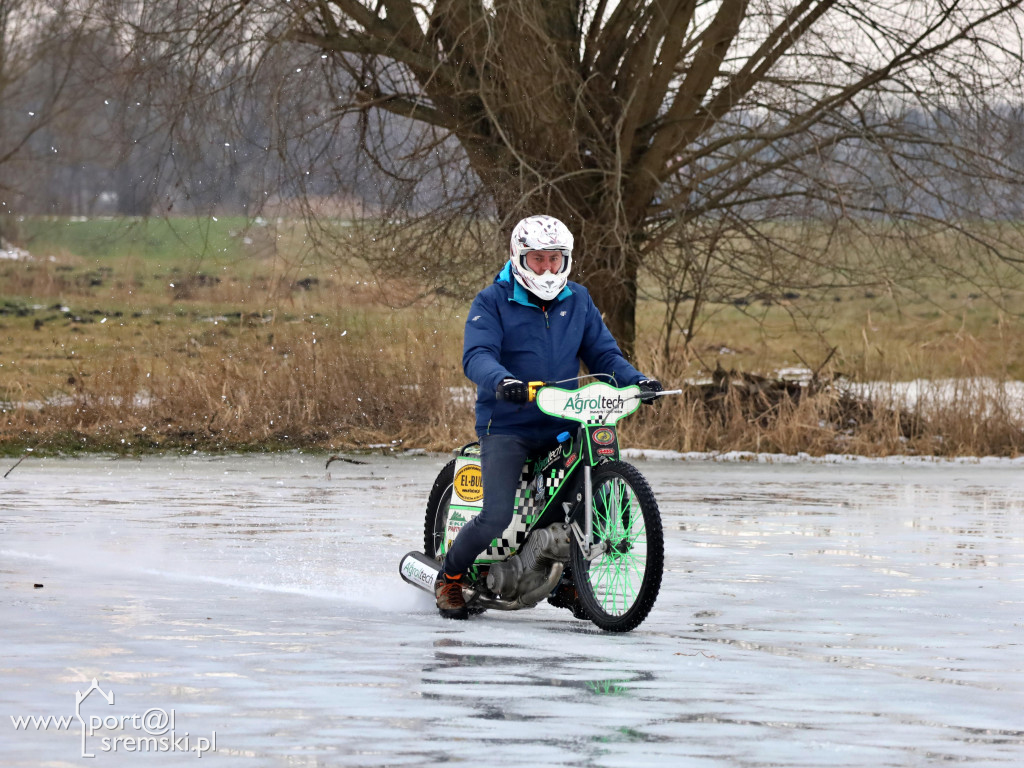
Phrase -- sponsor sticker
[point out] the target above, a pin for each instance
(469, 483)
(597, 402)
(455, 522)
(603, 436)
(418, 573)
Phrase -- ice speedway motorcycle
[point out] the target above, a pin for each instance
(586, 531)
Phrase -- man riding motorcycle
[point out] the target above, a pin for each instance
(530, 324)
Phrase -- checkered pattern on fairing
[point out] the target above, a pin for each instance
(551, 482)
(512, 538)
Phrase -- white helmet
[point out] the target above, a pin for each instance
(541, 233)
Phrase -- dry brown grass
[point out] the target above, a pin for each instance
(979, 419)
(294, 385)
(267, 352)
(300, 385)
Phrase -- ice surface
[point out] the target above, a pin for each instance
(812, 614)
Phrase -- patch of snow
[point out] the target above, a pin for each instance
(908, 394)
(11, 252)
(806, 458)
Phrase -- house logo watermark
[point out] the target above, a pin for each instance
(103, 731)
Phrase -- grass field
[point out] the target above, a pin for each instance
(222, 334)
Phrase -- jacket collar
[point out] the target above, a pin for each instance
(520, 294)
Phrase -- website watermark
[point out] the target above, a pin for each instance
(154, 730)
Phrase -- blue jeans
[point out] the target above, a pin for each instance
(501, 463)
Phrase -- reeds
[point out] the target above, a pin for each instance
(301, 386)
(286, 385)
(960, 418)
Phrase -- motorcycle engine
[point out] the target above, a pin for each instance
(526, 575)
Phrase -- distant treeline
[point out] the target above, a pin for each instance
(87, 130)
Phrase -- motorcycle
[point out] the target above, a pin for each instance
(586, 532)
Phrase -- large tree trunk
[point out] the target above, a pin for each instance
(610, 276)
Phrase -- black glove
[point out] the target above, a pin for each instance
(513, 391)
(649, 389)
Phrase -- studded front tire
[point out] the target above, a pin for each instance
(618, 588)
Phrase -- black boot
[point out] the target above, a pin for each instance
(566, 596)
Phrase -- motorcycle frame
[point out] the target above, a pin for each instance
(555, 501)
(592, 444)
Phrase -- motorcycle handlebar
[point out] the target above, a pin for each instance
(648, 396)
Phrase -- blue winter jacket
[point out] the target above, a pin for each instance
(507, 335)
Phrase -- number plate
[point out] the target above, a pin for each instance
(596, 403)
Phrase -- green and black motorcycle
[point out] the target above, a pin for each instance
(586, 533)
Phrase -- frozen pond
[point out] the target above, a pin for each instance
(812, 614)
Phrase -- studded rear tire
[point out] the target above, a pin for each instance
(437, 512)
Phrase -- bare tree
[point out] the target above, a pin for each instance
(676, 134)
(34, 76)
(73, 140)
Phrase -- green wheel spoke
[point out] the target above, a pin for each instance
(618, 588)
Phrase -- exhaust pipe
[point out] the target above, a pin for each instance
(419, 570)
